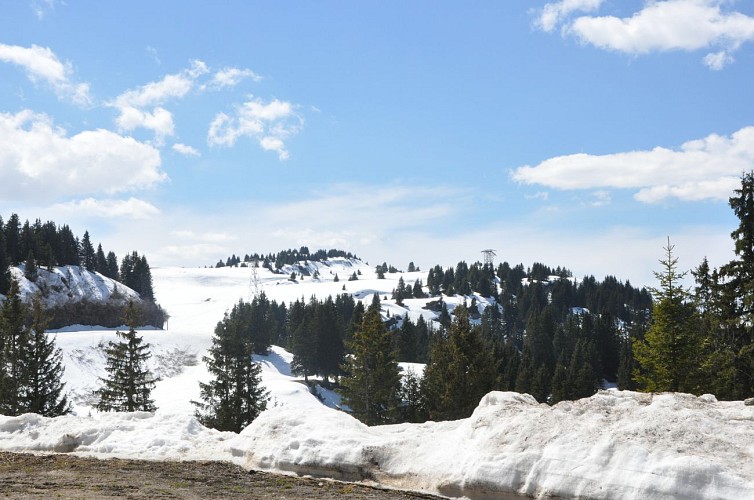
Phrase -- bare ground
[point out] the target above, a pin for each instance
(24, 476)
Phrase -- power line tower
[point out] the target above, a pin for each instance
(489, 257)
(254, 282)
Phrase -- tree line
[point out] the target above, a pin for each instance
(276, 261)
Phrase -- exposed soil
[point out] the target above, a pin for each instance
(24, 476)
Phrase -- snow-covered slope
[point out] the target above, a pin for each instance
(71, 284)
(613, 445)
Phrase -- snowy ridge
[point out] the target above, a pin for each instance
(66, 284)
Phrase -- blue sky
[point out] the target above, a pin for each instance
(579, 133)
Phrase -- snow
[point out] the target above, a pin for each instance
(70, 284)
(613, 445)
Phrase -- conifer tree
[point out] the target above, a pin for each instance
(372, 381)
(100, 261)
(13, 337)
(42, 388)
(235, 396)
(88, 257)
(668, 356)
(129, 383)
(461, 370)
(731, 359)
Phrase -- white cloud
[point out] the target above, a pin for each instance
(41, 64)
(708, 168)
(687, 25)
(552, 14)
(269, 123)
(42, 7)
(186, 150)
(718, 60)
(39, 160)
(230, 77)
(131, 208)
(132, 103)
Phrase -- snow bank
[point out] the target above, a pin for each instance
(138, 435)
(612, 445)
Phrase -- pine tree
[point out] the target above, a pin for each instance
(235, 396)
(731, 360)
(100, 261)
(42, 389)
(13, 337)
(372, 381)
(129, 382)
(461, 370)
(87, 258)
(668, 356)
(112, 266)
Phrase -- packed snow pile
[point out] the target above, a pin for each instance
(137, 435)
(66, 284)
(612, 445)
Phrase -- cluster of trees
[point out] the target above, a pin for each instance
(275, 261)
(47, 245)
(702, 339)
(31, 366)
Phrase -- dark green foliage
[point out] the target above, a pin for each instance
(87, 257)
(42, 389)
(235, 396)
(135, 274)
(372, 381)
(30, 365)
(129, 383)
(412, 400)
(461, 370)
(317, 336)
(668, 356)
(14, 336)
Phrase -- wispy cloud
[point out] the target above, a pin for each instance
(268, 123)
(39, 160)
(659, 26)
(186, 150)
(230, 77)
(132, 208)
(43, 7)
(707, 168)
(42, 65)
(133, 105)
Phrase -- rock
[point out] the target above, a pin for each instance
(749, 402)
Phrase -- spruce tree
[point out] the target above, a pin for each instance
(129, 383)
(372, 381)
(13, 337)
(731, 359)
(87, 257)
(42, 388)
(461, 370)
(668, 356)
(235, 396)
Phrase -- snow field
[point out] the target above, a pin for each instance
(612, 445)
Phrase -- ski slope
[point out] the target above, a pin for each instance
(612, 445)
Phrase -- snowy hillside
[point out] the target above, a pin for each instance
(67, 284)
(613, 445)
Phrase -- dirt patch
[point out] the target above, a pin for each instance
(24, 476)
